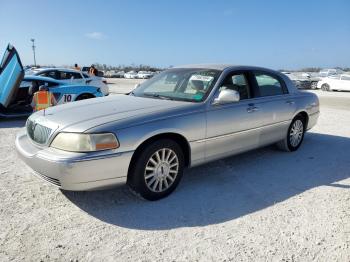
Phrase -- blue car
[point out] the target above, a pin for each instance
(16, 89)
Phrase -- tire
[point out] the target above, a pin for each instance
(156, 170)
(313, 85)
(84, 96)
(295, 135)
(325, 87)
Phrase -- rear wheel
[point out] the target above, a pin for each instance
(325, 87)
(84, 96)
(295, 135)
(313, 85)
(157, 170)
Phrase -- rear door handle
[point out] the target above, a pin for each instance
(290, 102)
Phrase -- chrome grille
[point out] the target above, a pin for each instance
(38, 133)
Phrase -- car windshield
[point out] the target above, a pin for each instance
(191, 85)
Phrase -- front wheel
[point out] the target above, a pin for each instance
(157, 170)
(295, 135)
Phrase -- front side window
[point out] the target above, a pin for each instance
(268, 85)
(185, 84)
(239, 83)
(75, 75)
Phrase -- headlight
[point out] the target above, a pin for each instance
(76, 142)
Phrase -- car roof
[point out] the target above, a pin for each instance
(223, 67)
(60, 69)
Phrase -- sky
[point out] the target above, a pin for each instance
(275, 34)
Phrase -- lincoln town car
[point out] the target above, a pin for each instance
(183, 117)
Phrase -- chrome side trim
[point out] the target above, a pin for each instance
(83, 158)
(239, 132)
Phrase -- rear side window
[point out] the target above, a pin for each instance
(69, 75)
(268, 85)
(345, 78)
(51, 74)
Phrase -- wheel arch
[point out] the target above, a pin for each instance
(178, 138)
(305, 115)
(84, 94)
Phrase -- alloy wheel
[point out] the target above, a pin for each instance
(161, 170)
(296, 133)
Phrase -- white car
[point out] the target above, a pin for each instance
(144, 74)
(329, 72)
(336, 82)
(72, 76)
(130, 75)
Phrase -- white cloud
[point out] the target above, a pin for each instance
(95, 35)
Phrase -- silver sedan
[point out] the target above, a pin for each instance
(180, 118)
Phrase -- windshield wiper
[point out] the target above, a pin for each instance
(157, 96)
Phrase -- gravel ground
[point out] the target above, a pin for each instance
(264, 205)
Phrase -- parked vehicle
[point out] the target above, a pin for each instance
(335, 82)
(16, 89)
(182, 117)
(303, 80)
(71, 76)
(120, 74)
(144, 74)
(110, 73)
(329, 72)
(130, 75)
(87, 68)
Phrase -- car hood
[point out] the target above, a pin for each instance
(120, 109)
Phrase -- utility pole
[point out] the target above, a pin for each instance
(33, 46)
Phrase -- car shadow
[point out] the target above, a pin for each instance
(13, 123)
(228, 188)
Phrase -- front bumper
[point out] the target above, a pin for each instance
(74, 171)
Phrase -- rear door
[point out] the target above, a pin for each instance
(276, 106)
(11, 75)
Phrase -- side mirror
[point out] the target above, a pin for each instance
(227, 96)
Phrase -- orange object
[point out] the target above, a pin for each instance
(42, 100)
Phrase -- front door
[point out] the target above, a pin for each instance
(234, 127)
(11, 75)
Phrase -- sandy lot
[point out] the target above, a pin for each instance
(264, 205)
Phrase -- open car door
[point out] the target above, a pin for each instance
(11, 75)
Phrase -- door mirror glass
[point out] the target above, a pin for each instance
(227, 96)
